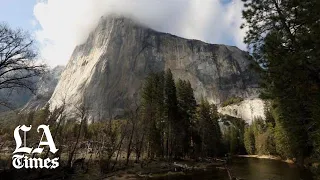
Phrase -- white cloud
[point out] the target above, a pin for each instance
(67, 23)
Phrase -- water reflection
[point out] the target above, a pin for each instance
(252, 169)
(265, 169)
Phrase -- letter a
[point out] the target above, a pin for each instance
(49, 142)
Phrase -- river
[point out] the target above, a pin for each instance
(251, 169)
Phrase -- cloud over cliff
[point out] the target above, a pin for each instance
(67, 23)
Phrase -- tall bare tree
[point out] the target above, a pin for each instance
(17, 60)
(82, 116)
(133, 118)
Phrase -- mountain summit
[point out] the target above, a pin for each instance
(107, 71)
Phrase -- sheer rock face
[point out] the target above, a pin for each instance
(45, 88)
(106, 72)
(24, 100)
(16, 99)
(247, 110)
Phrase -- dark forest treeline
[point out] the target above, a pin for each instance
(259, 137)
(175, 127)
(167, 124)
(283, 37)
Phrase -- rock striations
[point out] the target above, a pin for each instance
(248, 110)
(107, 71)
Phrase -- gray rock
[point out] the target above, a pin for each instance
(248, 110)
(45, 88)
(107, 71)
(14, 99)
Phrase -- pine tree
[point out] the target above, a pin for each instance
(233, 134)
(209, 129)
(171, 114)
(187, 107)
(150, 113)
(249, 140)
(284, 37)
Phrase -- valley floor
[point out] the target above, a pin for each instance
(145, 170)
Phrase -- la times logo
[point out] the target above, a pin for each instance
(23, 157)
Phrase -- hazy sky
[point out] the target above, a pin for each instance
(60, 25)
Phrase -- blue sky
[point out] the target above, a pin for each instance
(60, 25)
(18, 13)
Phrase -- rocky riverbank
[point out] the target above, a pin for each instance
(278, 158)
(160, 169)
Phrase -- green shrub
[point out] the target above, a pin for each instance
(232, 100)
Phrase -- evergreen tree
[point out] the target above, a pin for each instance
(150, 113)
(234, 134)
(249, 140)
(284, 37)
(171, 113)
(259, 138)
(187, 107)
(160, 109)
(209, 129)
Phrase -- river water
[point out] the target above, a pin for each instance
(251, 169)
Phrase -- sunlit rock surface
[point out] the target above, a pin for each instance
(248, 109)
(106, 72)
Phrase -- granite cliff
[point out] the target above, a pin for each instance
(248, 110)
(45, 87)
(106, 72)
